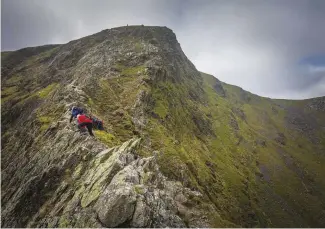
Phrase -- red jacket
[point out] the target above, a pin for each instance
(83, 118)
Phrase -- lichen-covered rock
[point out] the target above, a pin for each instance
(103, 187)
(141, 216)
(116, 206)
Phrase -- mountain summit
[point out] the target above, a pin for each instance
(180, 148)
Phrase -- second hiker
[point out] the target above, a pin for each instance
(75, 111)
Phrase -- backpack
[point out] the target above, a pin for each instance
(76, 111)
(98, 124)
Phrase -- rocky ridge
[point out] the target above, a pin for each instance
(180, 149)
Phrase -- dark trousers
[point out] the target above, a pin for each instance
(88, 125)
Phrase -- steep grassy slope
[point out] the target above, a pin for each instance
(258, 160)
(283, 143)
(211, 155)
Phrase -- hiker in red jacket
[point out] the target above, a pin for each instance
(84, 121)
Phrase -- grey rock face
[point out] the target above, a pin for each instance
(106, 187)
(219, 89)
(117, 206)
(317, 104)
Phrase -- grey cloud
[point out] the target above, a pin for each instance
(36, 22)
(254, 44)
(258, 44)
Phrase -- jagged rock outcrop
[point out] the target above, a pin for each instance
(95, 186)
(317, 104)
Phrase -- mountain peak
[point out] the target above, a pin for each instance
(179, 148)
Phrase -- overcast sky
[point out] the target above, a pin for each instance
(273, 48)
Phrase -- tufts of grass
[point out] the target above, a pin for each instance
(90, 102)
(129, 71)
(9, 91)
(49, 113)
(138, 47)
(14, 79)
(133, 71)
(138, 189)
(45, 122)
(5, 54)
(105, 137)
(161, 109)
(45, 92)
(48, 53)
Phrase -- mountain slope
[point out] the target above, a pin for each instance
(180, 149)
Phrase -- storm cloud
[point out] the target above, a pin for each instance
(271, 48)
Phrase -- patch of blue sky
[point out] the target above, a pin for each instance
(317, 60)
